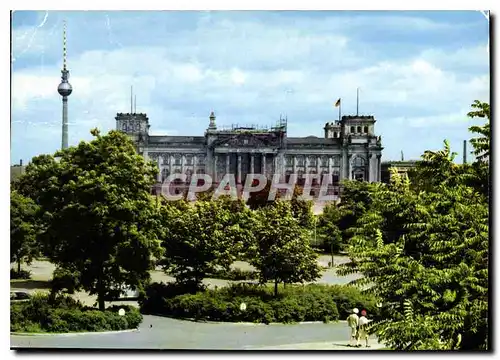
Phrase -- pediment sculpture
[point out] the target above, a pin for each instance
(244, 141)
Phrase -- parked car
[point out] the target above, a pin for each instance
(127, 293)
(19, 295)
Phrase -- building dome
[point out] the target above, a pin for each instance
(64, 89)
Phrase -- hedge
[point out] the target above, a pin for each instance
(23, 274)
(295, 303)
(64, 314)
(234, 274)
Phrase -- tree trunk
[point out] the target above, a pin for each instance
(100, 293)
(275, 287)
(18, 266)
(332, 253)
(100, 299)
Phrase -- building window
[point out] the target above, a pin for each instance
(366, 129)
(335, 179)
(177, 160)
(352, 129)
(189, 160)
(358, 161)
(334, 134)
(164, 174)
(358, 176)
(359, 129)
(324, 161)
(300, 161)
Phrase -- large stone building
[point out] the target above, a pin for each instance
(349, 150)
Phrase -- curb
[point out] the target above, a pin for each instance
(74, 333)
(250, 323)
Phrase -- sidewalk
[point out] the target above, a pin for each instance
(333, 345)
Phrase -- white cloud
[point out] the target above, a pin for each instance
(247, 71)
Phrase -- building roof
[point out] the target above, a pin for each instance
(177, 139)
(310, 140)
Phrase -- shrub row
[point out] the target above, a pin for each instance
(64, 314)
(234, 274)
(294, 303)
(23, 274)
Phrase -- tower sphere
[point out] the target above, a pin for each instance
(64, 89)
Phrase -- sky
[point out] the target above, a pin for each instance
(418, 72)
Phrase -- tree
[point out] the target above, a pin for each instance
(423, 249)
(356, 198)
(102, 222)
(281, 252)
(24, 228)
(328, 228)
(481, 144)
(259, 199)
(302, 209)
(204, 237)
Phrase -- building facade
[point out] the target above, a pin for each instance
(402, 167)
(349, 150)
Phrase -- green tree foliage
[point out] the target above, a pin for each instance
(328, 229)
(259, 199)
(481, 144)
(24, 228)
(355, 200)
(281, 252)
(301, 208)
(102, 223)
(423, 248)
(203, 237)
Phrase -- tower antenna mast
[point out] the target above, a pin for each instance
(64, 89)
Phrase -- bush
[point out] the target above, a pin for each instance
(152, 299)
(61, 314)
(234, 274)
(23, 274)
(293, 304)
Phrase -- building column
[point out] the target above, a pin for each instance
(252, 170)
(228, 156)
(183, 162)
(209, 162)
(369, 168)
(158, 177)
(239, 169)
(264, 163)
(171, 164)
(195, 163)
(214, 179)
(318, 161)
(349, 167)
(294, 164)
(379, 165)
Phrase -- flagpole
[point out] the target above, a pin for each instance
(340, 107)
(357, 101)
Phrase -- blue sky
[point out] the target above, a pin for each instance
(418, 72)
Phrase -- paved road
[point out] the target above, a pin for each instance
(167, 333)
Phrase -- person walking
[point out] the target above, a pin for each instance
(352, 322)
(363, 329)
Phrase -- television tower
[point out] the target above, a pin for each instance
(64, 89)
